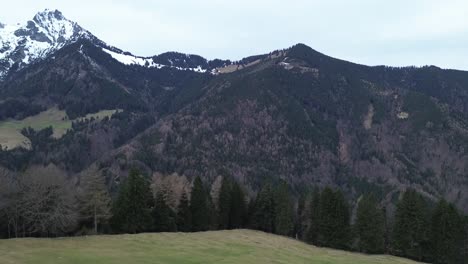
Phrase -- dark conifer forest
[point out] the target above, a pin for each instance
(419, 229)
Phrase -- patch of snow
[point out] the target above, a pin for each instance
(286, 65)
(147, 62)
(403, 115)
(133, 60)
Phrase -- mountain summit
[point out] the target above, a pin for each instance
(48, 31)
(294, 114)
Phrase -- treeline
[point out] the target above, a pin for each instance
(42, 202)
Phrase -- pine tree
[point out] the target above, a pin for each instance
(447, 234)
(224, 204)
(211, 213)
(263, 217)
(370, 226)
(284, 210)
(410, 233)
(184, 215)
(199, 202)
(465, 240)
(334, 220)
(94, 200)
(250, 217)
(238, 207)
(163, 216)
(300, 218)
(312, 235)
(132, 209)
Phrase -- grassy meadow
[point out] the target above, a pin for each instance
(10, 130)
(239, 246)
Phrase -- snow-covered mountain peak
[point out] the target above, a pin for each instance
(48, 31)
(49, 14)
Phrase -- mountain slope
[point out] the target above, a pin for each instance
(293, 114)
(309, 119)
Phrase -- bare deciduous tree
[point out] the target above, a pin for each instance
(48, 202)
(172, 186)
(94, 199)
(216, 189)
(10, 202)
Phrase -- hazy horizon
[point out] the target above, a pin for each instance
(367, 32)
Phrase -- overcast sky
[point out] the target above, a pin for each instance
(373, 32)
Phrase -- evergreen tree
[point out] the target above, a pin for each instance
(334, 220)
(199, 207)
(387, 231)
(224, 204)
(211, 213)
(370, 226)
(94, 201)
(250, 218)
(263, 217)
(238, 207)
(447, 234)
(300, 218)
(314, 219)
(284, 213)
(163, 216)
(132, 209)
(410, 233)
(465, 243)
(184, 215)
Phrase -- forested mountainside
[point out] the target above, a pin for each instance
(293, 114)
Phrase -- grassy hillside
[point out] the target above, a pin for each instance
(10, 131)
(240, 246)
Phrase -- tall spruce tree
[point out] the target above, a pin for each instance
(465, 243)
(370, 227)
(312, 235)
(132, 209)
(410, 232)
(284, 210)
(94, 201)
(238, 210)
(199, 207)
(263, 217)
(300, 218)
(250, 216)
(334, 230)
(224, 204)
(447, 234)
(163, 216)
(184, 215)
(212, 213)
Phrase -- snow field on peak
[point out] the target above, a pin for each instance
(146, 62)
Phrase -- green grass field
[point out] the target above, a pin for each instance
(10, 130)
(240, 246)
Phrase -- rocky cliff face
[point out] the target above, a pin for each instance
(47, 32)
